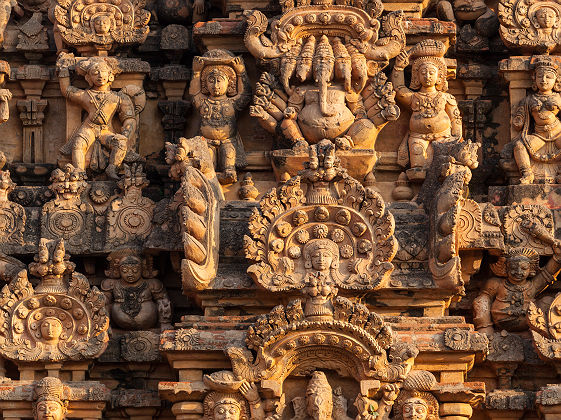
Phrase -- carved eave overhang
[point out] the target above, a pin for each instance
(228, 33)
(86, 399)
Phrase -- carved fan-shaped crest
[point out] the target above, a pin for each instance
(102, 23)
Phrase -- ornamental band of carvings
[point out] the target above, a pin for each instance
(341, 238)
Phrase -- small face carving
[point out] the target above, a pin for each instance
(518, 269)
(51, 329)
(545, 79)
(322, 259)
(131, 269)
(102, 25)
(226, 411)
(415, 409)
(49, 410)
(546, 17)
(428, 74)
(99, 75)
(217, 83)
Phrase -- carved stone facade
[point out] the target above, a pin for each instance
(280, 209)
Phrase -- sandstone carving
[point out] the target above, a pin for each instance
(60, 319)
(536, 151)
(98, 26)
(328, 87)
(415, 401)
(197, 203)
(136, 299)
(323, 237)
(5, 94)
(220, 89)
(49, 399)
(505, 300)
(435, 116)
(96, 145)
(68, 216)
(530, 27)
(12, 215)
(544, 325)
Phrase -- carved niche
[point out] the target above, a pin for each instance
(530, 26)
(12, 215)
(324, 80)
(343, 236)
(129, 218)
(100, 25)
(68, 216)
(62, 318)
(197, 204)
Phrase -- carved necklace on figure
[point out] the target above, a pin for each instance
(544, 104)
(428, 104)
(214, 111)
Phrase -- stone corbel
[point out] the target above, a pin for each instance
(507, 404)
(174, 108)
(548, 402)
(32, 79)
(457, 401)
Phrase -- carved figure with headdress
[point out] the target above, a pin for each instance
(136, 299)
(415, 401)
(5, 94)
(504, 300)
(49, 401)
(95, 144)
(220, 89)
(434, 112)
(537, 150)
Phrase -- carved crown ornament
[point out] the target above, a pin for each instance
(101, 24)
(530, 26)
(62, 318)
(337, 231)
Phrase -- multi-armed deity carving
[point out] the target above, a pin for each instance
(49, 402)
(62, 318)
(537, 149)
(220, 89)
(197, 203)
(96, 144)
(325, 80)
(68, 216)
(505, 300)
(435, 116)
(12, 215)
(322, 240)
(99, 26)
(530, 26)
(135, 298)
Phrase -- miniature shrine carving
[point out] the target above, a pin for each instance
(60, 319)
(49, 399)
(435, 116)
(328, 87)
(537, 150)
(95, 144)
(68, 216)
(135, 298)
(220, 89)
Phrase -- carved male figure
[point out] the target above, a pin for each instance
(538, 148)
(220, 89)
(503, 302)
(101, 105)
(434, 112)
(136, 300)
(48, 403)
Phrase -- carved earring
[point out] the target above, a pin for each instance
(307, 263)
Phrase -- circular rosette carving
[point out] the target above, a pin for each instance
(469, 224)
(515, 218)
(66, 223)
(554, 318)
(12, 223)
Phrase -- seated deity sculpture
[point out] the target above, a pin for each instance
(220, 89)
(96, 138)
(435, 116)
(537, 150)
(48, 399)
(503, 302)
(136, 300)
